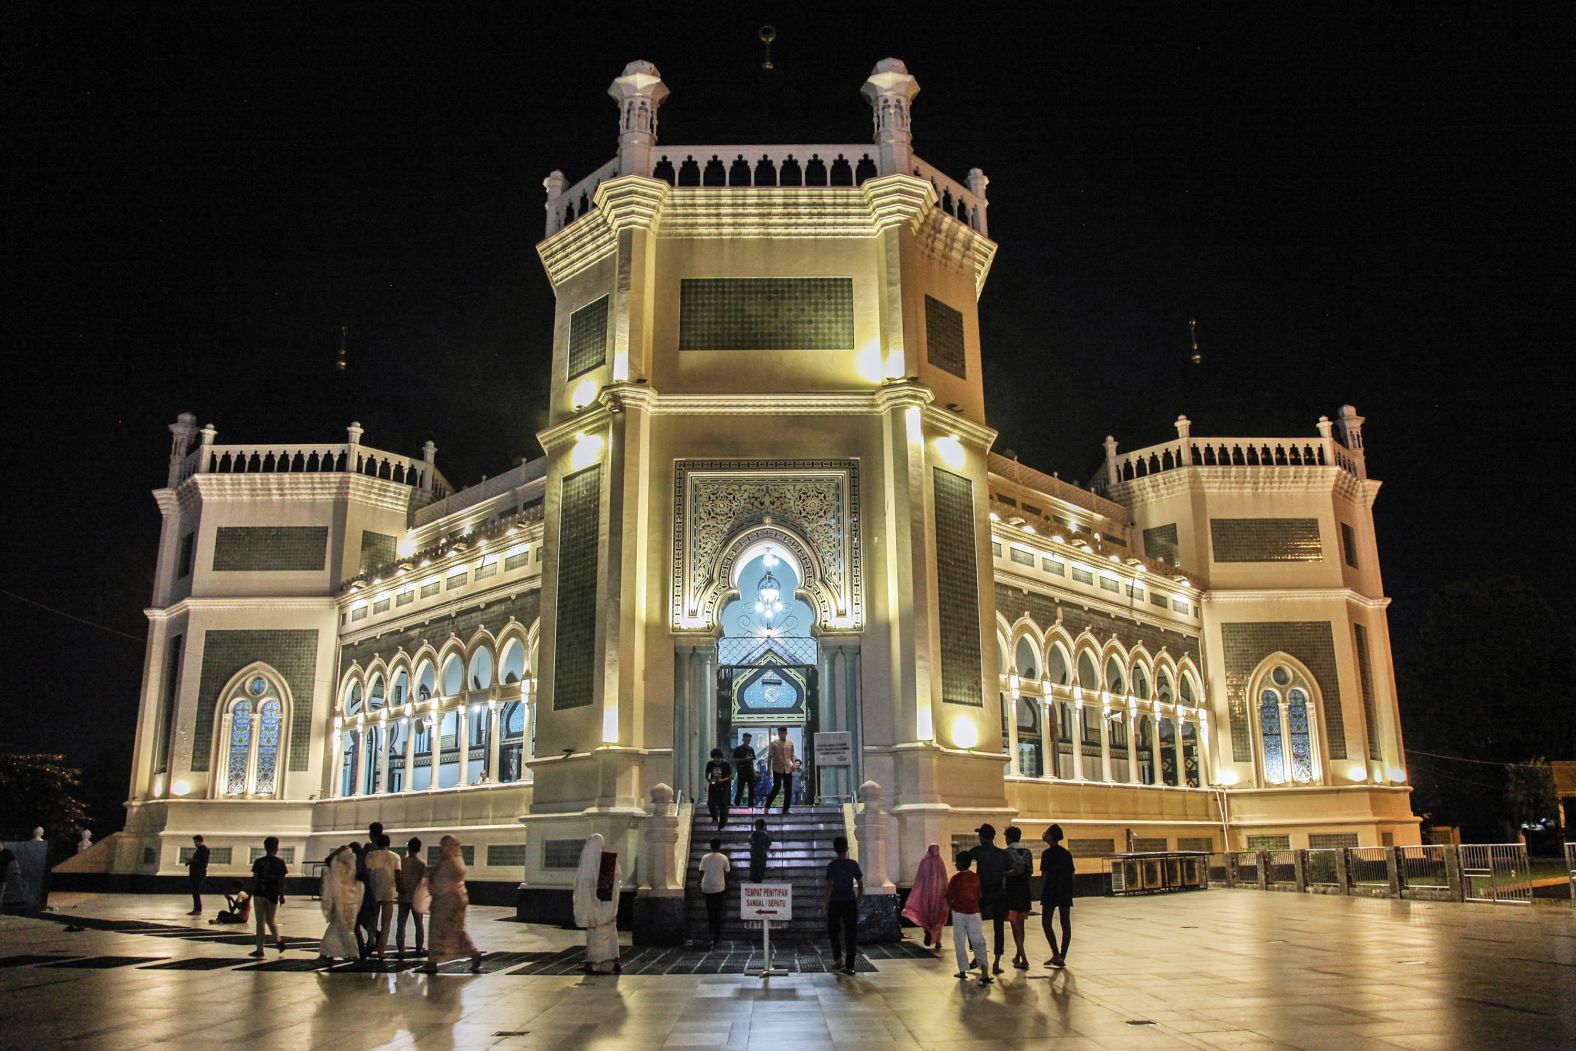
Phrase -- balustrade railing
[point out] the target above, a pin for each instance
(811, 165)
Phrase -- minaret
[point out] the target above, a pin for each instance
(638, 92)
(890, 91)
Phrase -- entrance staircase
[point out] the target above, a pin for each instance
(801, 847)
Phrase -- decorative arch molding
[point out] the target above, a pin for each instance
(722, 508)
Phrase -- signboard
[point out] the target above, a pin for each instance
(766, 901)
(834, 748)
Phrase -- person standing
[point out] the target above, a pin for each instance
(1056, 894)
(341, 897)
(1020, 868)
(760, 843)
(714, 868)
(991, 863)
(268, 893)
(963, 898)
(196, 872)
(598, 881)
(382, 867)
(718, 775)
(449, 939)
(744, 773)
(412, 870)
(926, 907)
(845, 885)
(781, 763)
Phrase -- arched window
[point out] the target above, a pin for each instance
(252, 728)
(1029, 747)
(1287, 741)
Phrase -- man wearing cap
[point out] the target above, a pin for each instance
(991, 862)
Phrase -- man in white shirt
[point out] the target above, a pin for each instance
(782, 763)
(714, 885)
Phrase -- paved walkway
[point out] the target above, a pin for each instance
(1223, 968)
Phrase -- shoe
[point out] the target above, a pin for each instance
(257, 954)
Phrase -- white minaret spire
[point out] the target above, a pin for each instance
(638, 92)
(890, 90)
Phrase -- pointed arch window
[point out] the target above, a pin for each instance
(252, 736)
(1288, 743)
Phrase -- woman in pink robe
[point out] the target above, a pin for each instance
(927, 899)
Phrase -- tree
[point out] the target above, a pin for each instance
(1480, 683)
(39, 789)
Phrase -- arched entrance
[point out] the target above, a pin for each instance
(767, 665)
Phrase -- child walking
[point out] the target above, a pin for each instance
(760, 841)
(963, 897)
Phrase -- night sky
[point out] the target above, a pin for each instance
(1370, 205)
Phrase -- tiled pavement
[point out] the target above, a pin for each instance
(1231, 969)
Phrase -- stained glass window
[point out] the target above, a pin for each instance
(1270, 728)
(267, 749)
(240, 748)
(1301, 745)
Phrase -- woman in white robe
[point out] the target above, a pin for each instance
(598, 917)
(341, 895)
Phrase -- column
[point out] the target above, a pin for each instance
(492, 741)
(1077, 736)
(1132, 746)
(410, 754)
(463, 739)
(1105, 746)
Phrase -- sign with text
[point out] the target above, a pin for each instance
(766, 901)
(834, 748)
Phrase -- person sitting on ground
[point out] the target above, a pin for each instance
(237, 905)
(963, 897)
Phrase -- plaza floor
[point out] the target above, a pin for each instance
(1218, 969)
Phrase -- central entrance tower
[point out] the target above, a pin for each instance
(764, 354)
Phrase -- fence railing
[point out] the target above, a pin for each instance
(1499, 873)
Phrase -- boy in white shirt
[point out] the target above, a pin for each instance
(714, 885)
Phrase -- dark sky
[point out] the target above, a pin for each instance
(1369, 204)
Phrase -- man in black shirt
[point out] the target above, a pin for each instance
(991, 863)
(1056, 894)
(268, 892)
(744, 774)
(196, 872)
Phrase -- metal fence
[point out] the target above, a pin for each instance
(1423, 866)
(1497, 872)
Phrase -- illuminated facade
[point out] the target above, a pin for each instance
(767, 498)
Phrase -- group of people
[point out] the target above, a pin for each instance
(739, 776)
(993, 883)
(365, 886)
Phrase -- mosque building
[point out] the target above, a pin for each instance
(768, 497)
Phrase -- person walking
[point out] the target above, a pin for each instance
(196, 872)
(963, 898)
(990, 862)
(714, 868)
(268, 893)
(926, 907)
(781, 763)
(744, 773)
(449, 939)
(1056, 894)
(845, 885)
(341, 898)
(760, 843)
(718, 776)
(1020, 868)
(412, 870)
(598, 881)
(383, 866)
